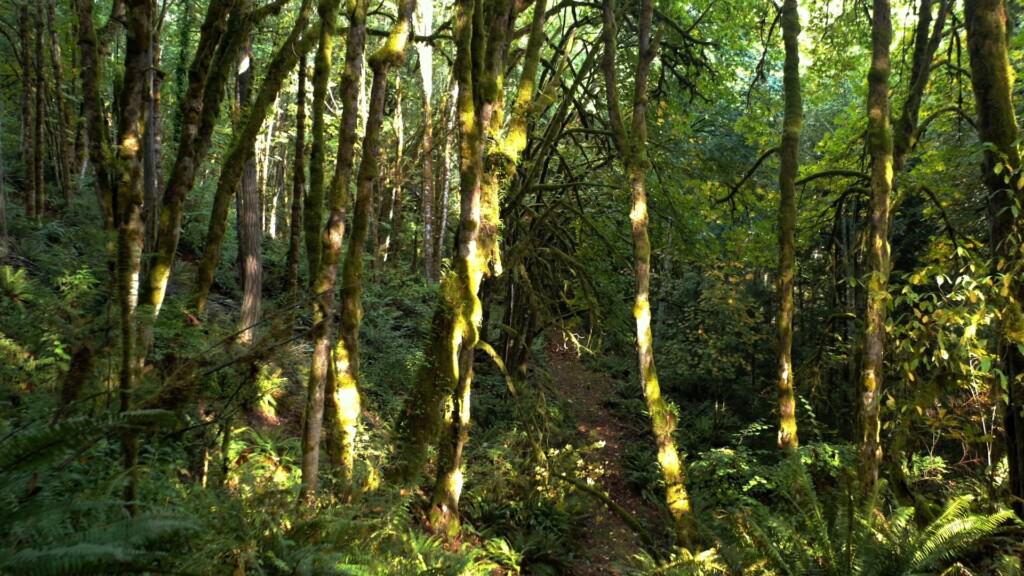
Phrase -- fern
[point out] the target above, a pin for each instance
(861, 541)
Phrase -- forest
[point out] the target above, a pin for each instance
(374, 287)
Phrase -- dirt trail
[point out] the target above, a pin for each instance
(608, 544)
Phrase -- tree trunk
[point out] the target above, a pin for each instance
(298, 183)
(250, 230)
(181, 71)
(880, 148)
(346, 355)
(480, 82)
(323, 279)
(28, 111)
(92, 105)
(392, 247)
(63, 120)
(130, 132)
(441, 208)
(151, 146)
(314, 205)
(992, 78)
(423, 25)
(632, 147)
(789, 166)
(299, 40)
(198, 110)
(40, 120)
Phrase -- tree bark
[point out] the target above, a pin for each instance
(207, 76)
(63, 120)
(92, 105)
(483, 50)
(131, 131)
(298, 183)
(632, 147)
(346, 355)
(992, 79)
(423, 26)
(298, 41)
(880, 148)
(29, 143)
(250, 230)
(322, 281)
(314, 204)
(789, 166)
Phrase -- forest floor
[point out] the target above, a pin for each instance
(608, 542)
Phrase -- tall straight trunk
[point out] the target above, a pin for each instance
(314, 204)
(441, 209)
(392, 248)
(92, 106)
(789, 165)
(130, 132)
(346, 354)
(880, 148)
(250, 231)
(276, 186)
(41, 115)
(198, 110)
(298, 182)
(341, 404)
(181, 71)
(29, 143)
(151, 146)
(423, 25)
(298, 41)
(992, 78)
(632, 147)
(63, 120)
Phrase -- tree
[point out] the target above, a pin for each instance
(423, 23)
(324, 278)
(992, 79)
(299, 39)
(632, 148)
(128, 170)
(880, 148)
(788, 168)
(298, 182)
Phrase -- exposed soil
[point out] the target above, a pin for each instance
(609, 544)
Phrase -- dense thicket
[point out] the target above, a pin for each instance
(352, 287)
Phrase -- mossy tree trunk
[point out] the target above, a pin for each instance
(346, 354)
(632, 147)
(992, 78)
(298, 41)
(320, 387)
(130, 134)
(459, 291)
(198, 111)
(440, 396)
(789, 166)
(880, 148)
(314, 204)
